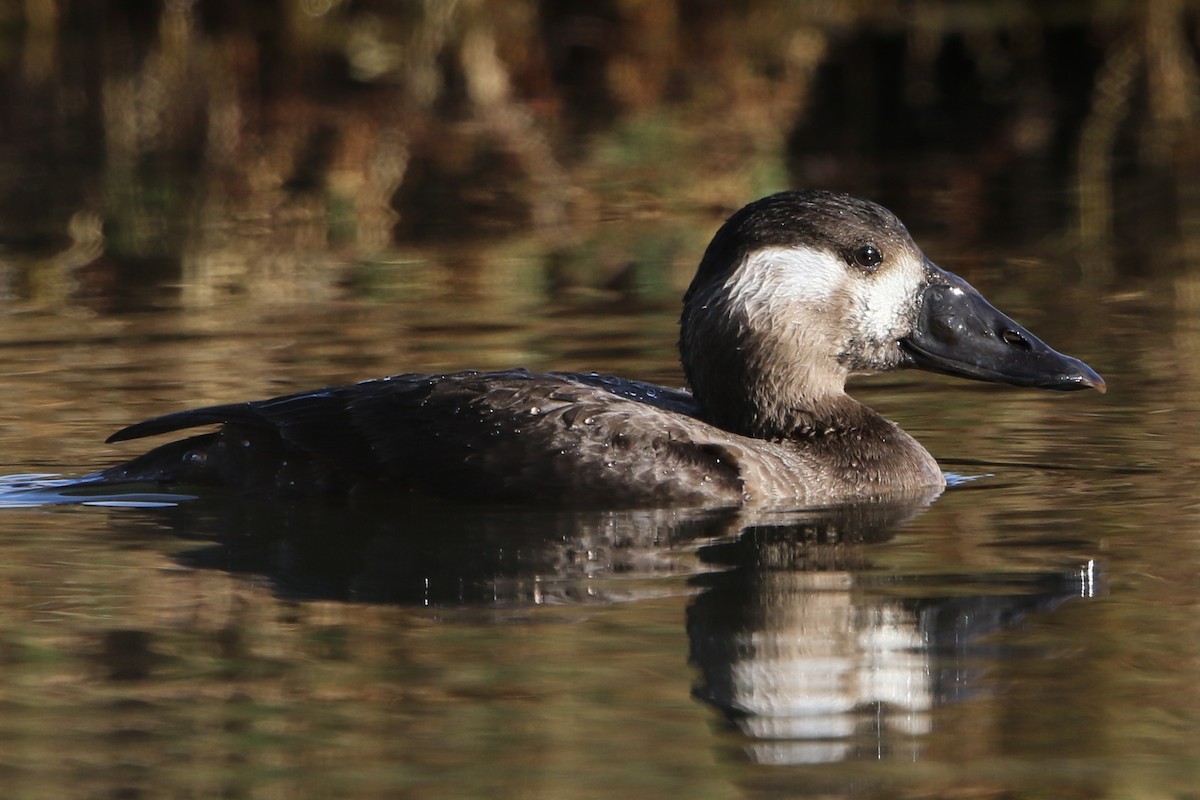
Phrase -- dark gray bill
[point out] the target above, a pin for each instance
(958, 332)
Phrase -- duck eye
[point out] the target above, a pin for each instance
(868, 256)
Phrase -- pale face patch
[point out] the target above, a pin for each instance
(819, 313)
(878, 307)
(885, 301)
(804, 275)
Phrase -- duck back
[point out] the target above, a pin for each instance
(518, 436)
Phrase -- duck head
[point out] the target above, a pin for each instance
(802, 289)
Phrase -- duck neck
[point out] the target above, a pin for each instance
(766, 414)
(757, 370)
(828, 416)
(828, 427)
(767, 389)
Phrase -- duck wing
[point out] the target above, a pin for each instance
(316, 421)
(570, 438)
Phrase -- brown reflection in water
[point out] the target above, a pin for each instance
(171, 144)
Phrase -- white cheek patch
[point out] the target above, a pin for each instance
(885, 301)
(788, 285)
(799, 274)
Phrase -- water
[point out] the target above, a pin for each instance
(1032, 631)
(197, 213)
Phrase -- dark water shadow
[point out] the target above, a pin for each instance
(449, 556)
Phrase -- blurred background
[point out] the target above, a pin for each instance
(195, 151)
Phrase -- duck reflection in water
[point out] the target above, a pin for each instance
(801, 639)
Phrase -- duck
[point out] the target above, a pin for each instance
(797, 292)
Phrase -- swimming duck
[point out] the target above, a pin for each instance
(795, 293)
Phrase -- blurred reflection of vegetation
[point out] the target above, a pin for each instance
(276, 149)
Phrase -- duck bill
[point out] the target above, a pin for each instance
(958, 332)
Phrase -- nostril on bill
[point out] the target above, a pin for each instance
(1011, 337)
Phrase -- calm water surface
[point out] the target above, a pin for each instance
(1032, 633)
